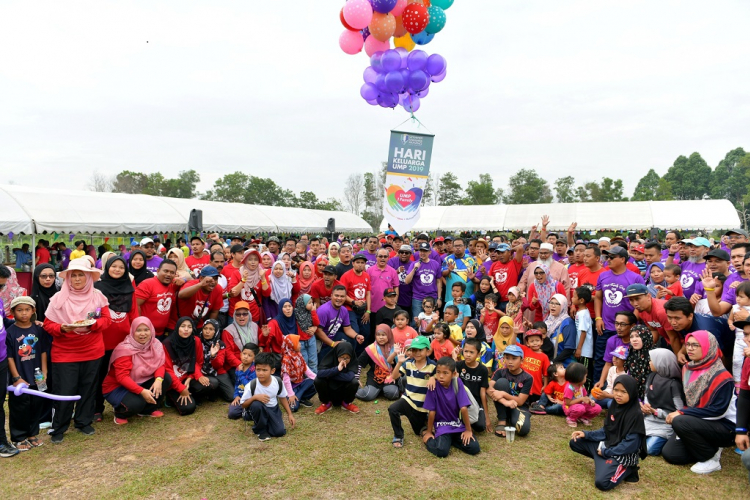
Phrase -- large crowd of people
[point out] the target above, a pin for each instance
(464, 334)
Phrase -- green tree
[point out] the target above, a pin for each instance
(481, 192)
(664, 191)
(183, 186)
(647, 187)
(428, 197)
(565, 190)
(608, 190)
(525, 187)
(729, 179)
(242, 188)
(450, 190)
(689, 177)
(156, 184)
(130, 182)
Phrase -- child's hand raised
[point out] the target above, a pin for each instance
(342, 365)
(577, 435)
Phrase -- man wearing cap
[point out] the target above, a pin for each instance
(401, 263)
(728, 298)
(370, 251)
(321, 289)
(459, 267)
(557, 270)
(358, 296)
(273, 244)
(199, 299)
(651, 311)
(424, 237)
(438, 245)
(506, 271)
(424, 276)
(692, 269)
(200, 257)
(155, 296)
(153, 261)
(611, 288)
(735, 236)
(382, 276)
(604, 244)
(717, 261)
(448, 247)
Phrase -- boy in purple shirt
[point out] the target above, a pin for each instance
(448, 422)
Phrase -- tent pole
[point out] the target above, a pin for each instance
(33, 251)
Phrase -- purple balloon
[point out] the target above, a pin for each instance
(373, 102)
(24, 389)
(391, 60)
(439, 78)
(394, 82)
(405, 74)
(369, 91)
(387, 100)
(423, 93)
(418, 80)
(380, 83)
(369, 75)
(376, 63)
(365, 33)
(435, 64)
(417, 60)
(383, 6)
(411, 104)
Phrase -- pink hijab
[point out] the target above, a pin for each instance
(68, 305)
(147, 358)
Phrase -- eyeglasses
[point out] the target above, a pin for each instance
(554, 303)
(404, 253)
(47, 276)
(242, 315)
(610, 256)
(621, 324)
(382, 256)
(692, 345)
(539, 273)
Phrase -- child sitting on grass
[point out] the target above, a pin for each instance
(509, 389)
(244, 374)
(578, 406)
(604, 396)
(553, 396)
(379, 357)
(262, 398)
(476, 378)
(535, 363)
(299, 380)
(448, 419)
(441, 345)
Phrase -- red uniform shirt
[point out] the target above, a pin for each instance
(535, 364)
(356, 286)
(657, 318)
(119, 328)
(587, 277)
(319, 291)
(119, 376)
(72, 347)
(195, 264)
(159, 299)
(199, 306)
(574, 271)
(505, 276)
(246, 296)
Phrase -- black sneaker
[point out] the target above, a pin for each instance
(88, 430)
(57, 438)
(7, 451)
(97, 417)
(306, 403)
(634, 477)
(264, 437)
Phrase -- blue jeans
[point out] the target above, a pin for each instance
(654, 444)
(305, 390)
(600, 346)
(416, 308)
(551, 409)
(309, 350)
(604, 403)
(363, 329)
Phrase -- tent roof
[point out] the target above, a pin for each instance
(25, 209)
(620, 216)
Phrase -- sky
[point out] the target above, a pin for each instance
(587, 88)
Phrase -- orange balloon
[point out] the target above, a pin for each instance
(382, 26)
(400, 30)
(405, 42)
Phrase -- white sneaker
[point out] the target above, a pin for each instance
(711, 465)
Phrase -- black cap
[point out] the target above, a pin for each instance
(389, 292)
(719, 254)
(737, 231)
(741, 324)
(449, 238)
(329, 270)
(617, 250)
(423, 236)
(424, 246)
(359, 256)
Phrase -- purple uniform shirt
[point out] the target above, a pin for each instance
(728, 293)
(372, 258)
(446, 402)
(332, 320)
(404, 289)
(152, 264)
(613, 288)
(425, 280)
(691, 276)
(613, 343)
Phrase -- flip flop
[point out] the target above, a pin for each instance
(398, 443)
(500, 431)
(34, 441)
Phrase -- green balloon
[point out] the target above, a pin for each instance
(443, 4)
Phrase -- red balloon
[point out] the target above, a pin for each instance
(415, 18)
(343, 21)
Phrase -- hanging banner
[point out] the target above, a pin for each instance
(409, 159)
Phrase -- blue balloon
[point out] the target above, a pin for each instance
(417, 60)
(418, 80)
(437, 20)
(394, 82)
(383, 6)
(443, 4)
(423, 38)
(391, 60)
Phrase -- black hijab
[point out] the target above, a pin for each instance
(40, 294)
(622, 420)
(119, 292)
(479, 295)
(331, 359)
(142, 273)
(182, 350)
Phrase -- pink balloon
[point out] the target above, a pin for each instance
(373, 45)
(351, 42)
(358, 13)
(399, 8)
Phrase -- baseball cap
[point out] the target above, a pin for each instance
(737, 231)
(196, 237)
(698, 242)
(329, 270)
(424, 246)
(389, 292)
(617, 250)
(209, 271)
(493, 246)
(420, 343)
(639, 249)
(514, 350)
(621, 352)
(636, 289)
(146, 241)
(359, 256)
(737, 324)
(405, 248)
(383, 241)
(423, 236)
(719, 254)
(449, 238)
(439, 239)
(594, 241)
(273, 238)
(531, 333)
(503, 247)
(241, 305)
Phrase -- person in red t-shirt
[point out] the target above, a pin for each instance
(199, 299)
(42, 253)
(155, 296)
(234, 262)
(505, 272)
(249, 283)
(321, 289)
(577, 266)
(199, 259)
(652, 312)
(535, 362)
(357, 284)
(590, 275)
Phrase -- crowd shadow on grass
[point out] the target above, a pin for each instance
(334, 455)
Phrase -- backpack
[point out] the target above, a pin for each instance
(473, 408)
(254, 384)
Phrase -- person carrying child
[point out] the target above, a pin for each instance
(448, 418)
(298, 379)
(672, 274)
(379, 357)
(244, 374)
(475, 377)
(578, 406)
(337, 382)
(262, 398)
(428, 318)
(663, 396)
(510, 389)
(604, 395)
(618, 446)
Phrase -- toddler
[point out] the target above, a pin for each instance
(243, 374)
(262, 398)
(578, 406)
(401, 329)
(604, 396)
(441, 345)
(428, 318)
(553, 396)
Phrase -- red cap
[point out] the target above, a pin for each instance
(639, 249)
(383, 240)
(439, 238)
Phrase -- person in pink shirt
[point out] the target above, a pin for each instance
(382, 276)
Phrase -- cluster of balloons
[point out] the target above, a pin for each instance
(397, 77)
(372, 23)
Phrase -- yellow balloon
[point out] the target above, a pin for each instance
(405, 42)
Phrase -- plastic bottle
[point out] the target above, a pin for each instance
(41, 384)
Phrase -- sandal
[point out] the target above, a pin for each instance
(34, 441)
(23, 445)
(500, 431)
(398, 443)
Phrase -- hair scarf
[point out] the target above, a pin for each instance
(513, 308)
(181, 349)
(11, 290)
(651, 285)
(303, 316)
(333, 260)
(183, 271)
(281, 287)
(638, 363)
(253, 276)
(479, 295)
(292, 362)
(208, 368)
(379, 355)
(318, 262)
(625, 419)
(42, 294)
(71, 305)
(702, 378)
(287, 325)
(545, 290)
(554, 322)
(147, 358)
(119, 291)
(273, 257)
(305, 284)
(242, 335)
(331, 359)
(664, 384)
(139, 274)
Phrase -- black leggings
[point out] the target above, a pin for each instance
(196, 390)
(103, 370)
(78, 378)
(3, 390)
(695, 440)
(134, 404)
(341, 392)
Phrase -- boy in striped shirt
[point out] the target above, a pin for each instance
(418, 369)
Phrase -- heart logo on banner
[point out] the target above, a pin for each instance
(613, 298)
(405, 198)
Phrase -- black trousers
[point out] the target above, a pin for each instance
(196, 390)
(3, 390)
(134, 404)
(417, 419)
(335, 392)
(79, 378)
(699, 440)
(267, 419)
(441, 445)
(103, 370)
(25, 413)
(224, 386)
(481, 424)
(513, 417)
(608, 472)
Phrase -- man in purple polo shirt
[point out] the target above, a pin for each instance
(370, 251)
(401, 263)
(717, 261)
(334, 323)
(611, 287)
(728, 296)
(693, 267)
(424, 276)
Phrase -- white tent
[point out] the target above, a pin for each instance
(686, 215)
(29, 210)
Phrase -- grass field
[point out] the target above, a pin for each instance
(335, 455)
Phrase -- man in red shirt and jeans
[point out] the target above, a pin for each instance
(357, 284)
(652, 312)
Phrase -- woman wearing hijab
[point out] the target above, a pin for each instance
(282, 325)
(320, 265)
(707, 423)
(177, 256)
(561, 331)
(77, 348)
(10, 291)
(43, 288)
(379, 357)
(283, 286)
(651, 281)
(249, 284)
(617, 447)
(503, 337)
(297, 377)
(217, 360)
(136, 378)
(306, 276)
(106, 256)
(638, 363)
(183, 361)
(541, 290)
(337, 382)
(333, 254)
(116, 286)
(242, 330)
(663, 396)
(137, 267)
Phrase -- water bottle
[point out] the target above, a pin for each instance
(41, 385)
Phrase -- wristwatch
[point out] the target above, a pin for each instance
(13, 380)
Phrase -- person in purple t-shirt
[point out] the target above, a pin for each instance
(624, 322)
(401, 264)
(370, 251)
(334, 323)
(424, 276)
(448, 422)
(717, 261)
(728, 295)
(424, 238)
(693, 267)
(610, 299)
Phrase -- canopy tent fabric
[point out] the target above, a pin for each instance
(684, 215)
(29, 210)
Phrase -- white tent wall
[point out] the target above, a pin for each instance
(683, 215)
